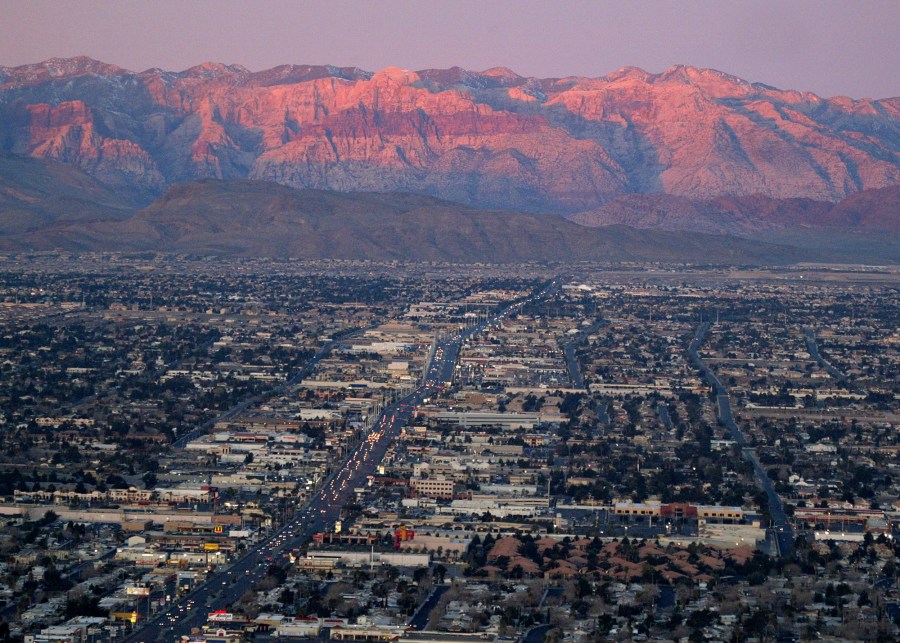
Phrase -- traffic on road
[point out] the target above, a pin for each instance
(320, 513)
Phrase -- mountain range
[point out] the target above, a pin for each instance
(687, 149)
(489, 139)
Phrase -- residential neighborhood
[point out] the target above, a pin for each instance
(249, 450)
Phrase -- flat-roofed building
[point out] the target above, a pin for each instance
(439, 488)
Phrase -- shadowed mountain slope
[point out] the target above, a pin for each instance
(35, 193)
(870, 210)
(253, 218)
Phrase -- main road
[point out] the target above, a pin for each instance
(224, 587)
(782, 530)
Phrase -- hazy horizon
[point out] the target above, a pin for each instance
(830, 48)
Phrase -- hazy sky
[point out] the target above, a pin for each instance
(830, 47)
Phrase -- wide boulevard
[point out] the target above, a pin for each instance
(224, 587)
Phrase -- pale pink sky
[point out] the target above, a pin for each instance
(830, 47)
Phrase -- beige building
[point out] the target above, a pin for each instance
(439, 488)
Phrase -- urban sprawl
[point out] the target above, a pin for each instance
(196, 449)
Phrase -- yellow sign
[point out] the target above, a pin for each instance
(211, 546)
(125, 616)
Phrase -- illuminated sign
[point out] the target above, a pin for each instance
(125, 616)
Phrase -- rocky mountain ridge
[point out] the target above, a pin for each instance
(490, 139)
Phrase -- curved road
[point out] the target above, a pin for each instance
(813, 347)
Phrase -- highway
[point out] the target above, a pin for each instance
(782, 530)
(226, 586)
